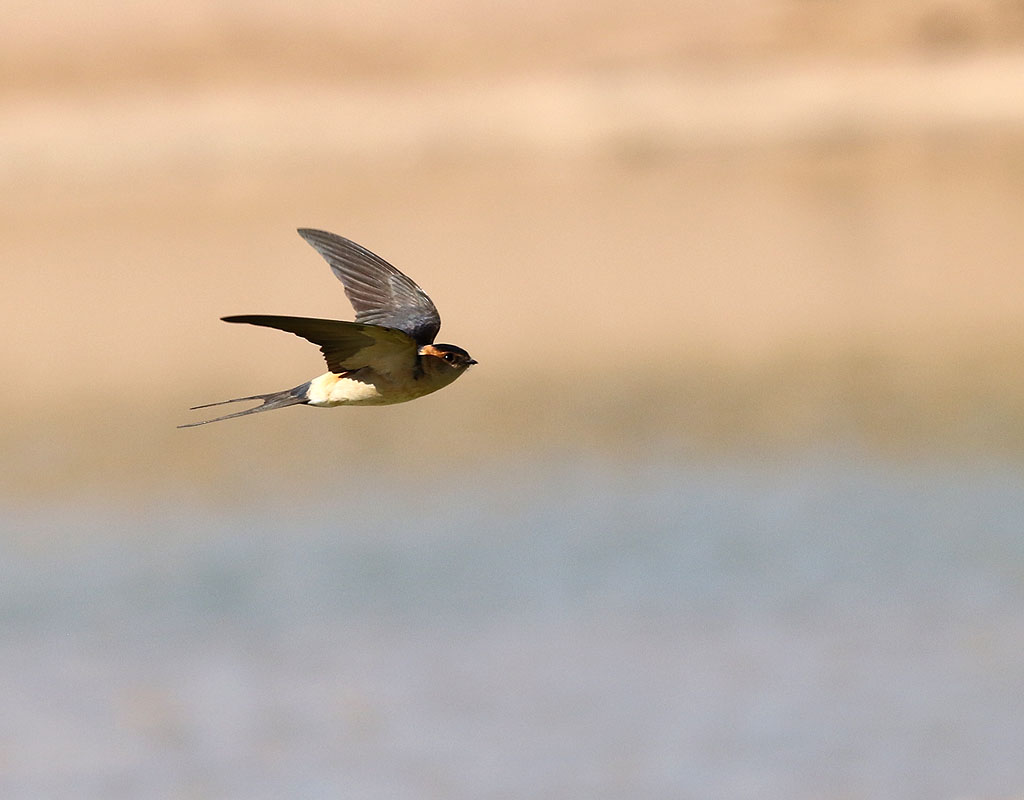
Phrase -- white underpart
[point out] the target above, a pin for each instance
(335, 390)
(372, 388)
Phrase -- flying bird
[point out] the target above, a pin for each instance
(386, 356)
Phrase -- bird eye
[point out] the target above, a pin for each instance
(449, 357)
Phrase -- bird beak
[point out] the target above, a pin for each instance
(471, 362)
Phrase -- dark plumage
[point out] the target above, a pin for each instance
(386, 356)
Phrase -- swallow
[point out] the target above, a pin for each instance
(386, 356)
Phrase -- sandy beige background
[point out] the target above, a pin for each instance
(731, 506)
(687, 224)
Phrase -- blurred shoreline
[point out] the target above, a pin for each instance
(885, 410)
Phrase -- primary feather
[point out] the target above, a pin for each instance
(380, 294)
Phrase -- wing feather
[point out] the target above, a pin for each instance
(347, 346)
(380, 294)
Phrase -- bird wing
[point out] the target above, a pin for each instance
(380, 294)
(347, 346)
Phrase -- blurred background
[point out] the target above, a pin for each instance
(731, 507)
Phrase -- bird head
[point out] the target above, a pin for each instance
(445, 359)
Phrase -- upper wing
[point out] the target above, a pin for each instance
(380, 294)
(346, 345)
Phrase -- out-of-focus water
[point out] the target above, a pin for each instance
(822, 627)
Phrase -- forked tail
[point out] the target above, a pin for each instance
(289, 397)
